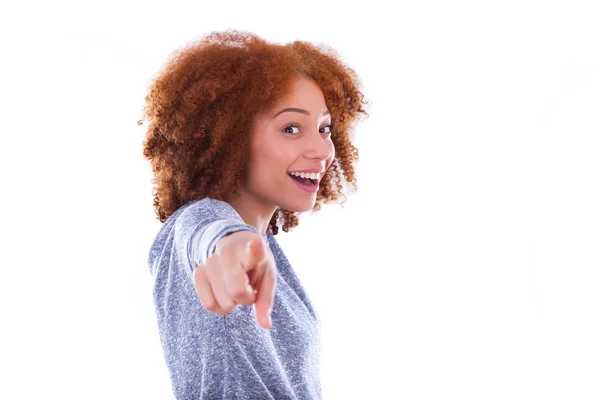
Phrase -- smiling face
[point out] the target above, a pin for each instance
(293, 136)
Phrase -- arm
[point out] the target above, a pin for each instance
(240, 236)
(212, 355)
(202, 225)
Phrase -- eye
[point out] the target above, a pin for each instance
(330, 127)
(296, 125)
(290, 126)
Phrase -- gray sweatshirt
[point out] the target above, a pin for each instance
(214, 356)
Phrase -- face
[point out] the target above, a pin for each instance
(293, 137)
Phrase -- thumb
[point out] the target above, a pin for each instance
(254, 252)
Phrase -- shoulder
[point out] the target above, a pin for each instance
(275, 248)
(207, 208)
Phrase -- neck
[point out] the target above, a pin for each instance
(253, 211)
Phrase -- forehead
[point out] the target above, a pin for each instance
(302, 91)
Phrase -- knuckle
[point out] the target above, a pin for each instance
(238, 292)
(218, 310)
(210, 305)
(197, 273)
(227, 309)
(227, 251)
(210, 262)
(245, 301)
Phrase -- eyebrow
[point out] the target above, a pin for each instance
(326, 112)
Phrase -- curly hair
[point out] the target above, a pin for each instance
(199, 107)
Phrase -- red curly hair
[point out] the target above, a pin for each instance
(200, 105)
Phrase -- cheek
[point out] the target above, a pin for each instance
(269, 165)
(276, 159)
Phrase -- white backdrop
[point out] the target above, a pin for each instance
(465, 267)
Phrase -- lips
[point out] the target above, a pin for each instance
(307, 188)
(319, 170)
(310, 171)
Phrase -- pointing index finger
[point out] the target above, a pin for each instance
(265, 296)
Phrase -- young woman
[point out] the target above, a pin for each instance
(243, 135)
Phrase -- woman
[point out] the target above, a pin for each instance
(243, 135)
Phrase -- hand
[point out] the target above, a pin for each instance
(241, 272)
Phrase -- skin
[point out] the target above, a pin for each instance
(242, 270)
(277, 150)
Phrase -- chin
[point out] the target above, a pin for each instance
(299, 206)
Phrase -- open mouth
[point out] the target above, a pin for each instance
(304, 181)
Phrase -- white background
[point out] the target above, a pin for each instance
(466, 266)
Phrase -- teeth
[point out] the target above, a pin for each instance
(306, 175)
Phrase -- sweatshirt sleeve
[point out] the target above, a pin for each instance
(201, 225)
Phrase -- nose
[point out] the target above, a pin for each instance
(319, 147)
